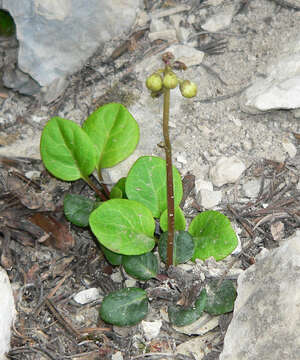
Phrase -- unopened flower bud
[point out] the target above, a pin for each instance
(154, 82)
(170, 80)
(188, 89)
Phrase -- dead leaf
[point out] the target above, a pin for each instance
(60, 238)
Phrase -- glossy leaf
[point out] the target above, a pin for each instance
(77, 209)
(118, 190)
(179, 220)
(142, 267)
(213, 235)
(183, 247)
(114, 132)
(67, 151)
(220, 300)
(124, 307)
(112, 257)
(180, 316)
(124, 226)
(146, 183)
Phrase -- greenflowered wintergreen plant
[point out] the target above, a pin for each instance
(123, 218)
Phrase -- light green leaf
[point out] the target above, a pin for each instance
(213, 235)
(179, 220)
(118, 190)
(124, 226)
(146, 183)
(67, 151)
(114, 132)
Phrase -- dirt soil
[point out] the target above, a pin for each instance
(48, 260)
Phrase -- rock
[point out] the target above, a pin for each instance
(251, 188)
(62, 35)
(226, 171)
(209, 199)
(219, 21)
(19, 81)
(151, 329)
(8, 313)
(290, 148)
(266, 318)
(168, 35)
(54, 90)
(87, 296)
(158, 25)
(117, 356)
(280, 87)
(203, 185)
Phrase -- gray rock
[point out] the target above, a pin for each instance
(266, 318)
(86, 296)
(280, 88)
(57, 37)
(19, 81)
(151, 329)
(220, 20)
(209, 199)
(7, 311)
(251, 188)
(226, 171)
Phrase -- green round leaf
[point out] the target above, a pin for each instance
(112, 257)
(179, 316)
(77, 209)
(66, 150)
(142, 267)
(124, 226)
(220, 300)
(146, 183)
(183, 247)
(118, 190)
(114, 132)
(124, 307)
(213, 235)
(179, 220)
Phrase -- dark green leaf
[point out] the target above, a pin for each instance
(146, 183)
(180, 316)
(183, 247)
(66, 150)
(213, 235)
(124, 226)
(77, 209)
(7, 25)
(220, 300)
(124, 307)
(142, 267)
(112, 257)
(114, 132)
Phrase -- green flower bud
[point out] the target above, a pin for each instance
(154, 82)
(170, 80)
(188, 89)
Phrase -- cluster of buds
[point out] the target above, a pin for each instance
(167, 79)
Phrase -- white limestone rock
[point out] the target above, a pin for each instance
(251, 188)
(266, 318)
(209, 199)
(280, 88)
(220, 20)
(86, 296)
(57, 37)
(151, 329)
(7, 311)
(226, 171)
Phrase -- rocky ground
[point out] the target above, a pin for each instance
(229, 45)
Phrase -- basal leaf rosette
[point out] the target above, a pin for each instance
(124, 226)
